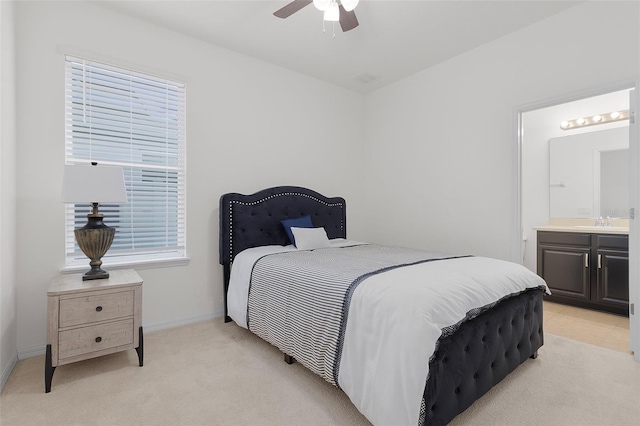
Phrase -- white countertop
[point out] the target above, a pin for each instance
(621, 230)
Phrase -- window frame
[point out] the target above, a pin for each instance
(175, 111)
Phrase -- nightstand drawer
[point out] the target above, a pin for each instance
(94, 308)
(95, 338)
(89, 319)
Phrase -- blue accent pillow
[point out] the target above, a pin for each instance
(300, 222)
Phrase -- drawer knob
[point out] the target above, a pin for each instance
(98, 308)
(98, 339)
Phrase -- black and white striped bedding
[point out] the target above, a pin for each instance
(299, 300)
(366, 318)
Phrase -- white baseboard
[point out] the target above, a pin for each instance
(31, 352)
(185, 321)
(40, 350)
(7, 370)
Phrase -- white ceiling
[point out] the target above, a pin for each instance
(395, 38)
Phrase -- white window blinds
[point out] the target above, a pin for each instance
(119, 117)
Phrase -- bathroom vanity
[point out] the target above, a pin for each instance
(586, 266)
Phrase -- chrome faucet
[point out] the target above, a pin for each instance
(602, 222)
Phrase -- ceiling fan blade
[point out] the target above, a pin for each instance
(291, 8)
(348, 20)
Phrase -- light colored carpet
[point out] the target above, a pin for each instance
(219, 374)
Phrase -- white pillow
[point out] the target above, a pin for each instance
(310, 238)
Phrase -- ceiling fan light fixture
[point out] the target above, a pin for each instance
(322, 5)
(332, 14)
(349, 5)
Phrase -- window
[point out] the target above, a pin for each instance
(120, 117)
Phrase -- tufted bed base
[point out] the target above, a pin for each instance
(481, 353)
(466, 364)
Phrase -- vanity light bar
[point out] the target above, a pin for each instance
(608, 117)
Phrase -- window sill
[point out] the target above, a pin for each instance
(139, 264)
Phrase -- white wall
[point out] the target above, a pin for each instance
(250, 125)
(8, 287)
(442, 141)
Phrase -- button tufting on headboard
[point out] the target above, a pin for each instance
(254, 220)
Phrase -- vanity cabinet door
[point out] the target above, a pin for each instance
(586, 270)
(566, 270)
(613, 277)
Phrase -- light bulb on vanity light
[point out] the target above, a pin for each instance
(564, 124)
(615, 115)
(596, 118)
(580, 121)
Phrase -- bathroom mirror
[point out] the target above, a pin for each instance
(589, 175)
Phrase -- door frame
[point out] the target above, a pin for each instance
(634, 186)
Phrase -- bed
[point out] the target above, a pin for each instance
(469, 356)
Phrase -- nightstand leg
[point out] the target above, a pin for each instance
(48, 370)
(140, 348)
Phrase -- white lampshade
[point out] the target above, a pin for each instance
(332, 14)
(321, 4)
(349, 5)
(93, 184)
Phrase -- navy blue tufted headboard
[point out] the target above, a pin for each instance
(254, 220)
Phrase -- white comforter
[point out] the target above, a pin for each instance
(392, 329)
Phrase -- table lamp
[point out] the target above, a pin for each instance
(83, 184)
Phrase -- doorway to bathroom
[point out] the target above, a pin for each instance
(565, 148)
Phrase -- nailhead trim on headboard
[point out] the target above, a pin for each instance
(238, 223)
(269, 198)
(246, 222)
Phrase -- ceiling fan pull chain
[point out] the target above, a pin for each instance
(334, 29)
(323, 29)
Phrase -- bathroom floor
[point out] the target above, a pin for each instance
(597, 328)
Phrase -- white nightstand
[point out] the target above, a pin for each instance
(87, 319)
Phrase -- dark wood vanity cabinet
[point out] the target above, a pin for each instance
(613, 271)
(590, 270)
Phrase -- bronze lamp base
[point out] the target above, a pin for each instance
(94, 239)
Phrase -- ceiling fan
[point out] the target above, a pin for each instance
(334, 10)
